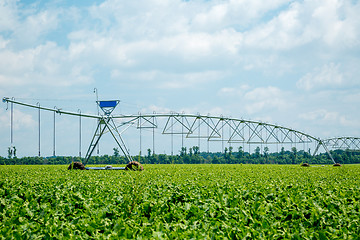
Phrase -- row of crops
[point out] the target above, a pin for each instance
(181, 202)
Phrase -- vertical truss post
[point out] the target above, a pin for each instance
(182, 133)
(199, 132)
(222, 134)
(139, 126)
(153, 135)
(208, 130)
(12, 125)
(54, 132)
(79, 132)
(98, 112)
(38, 104)
(172, 135)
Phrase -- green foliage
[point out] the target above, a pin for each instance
(181, 202)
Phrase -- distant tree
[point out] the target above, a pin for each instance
(10, 152)
(293, 155)
(342, 156)
(14, 151)
(116, 152)
(225, 152)
(149, 152)
(216, 160)
(257, 152)
(186, 159)
(196, 150)
(183, 151)
(163, 159)
(282, 153)
(266, 152)
(240, 152)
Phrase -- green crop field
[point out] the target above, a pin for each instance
(181, 202)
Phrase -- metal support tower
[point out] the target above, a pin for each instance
(106, 122)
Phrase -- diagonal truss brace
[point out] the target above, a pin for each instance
(202, 121)
(148, 122)
(180, 121)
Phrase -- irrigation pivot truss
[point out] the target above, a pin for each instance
(230, 130)
(343, 143)
(194, 126)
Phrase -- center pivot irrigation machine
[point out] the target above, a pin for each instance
(198, 127)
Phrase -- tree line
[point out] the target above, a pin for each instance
(194, 156)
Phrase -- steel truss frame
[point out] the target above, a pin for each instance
(211, 128)
(251, 132)
(240, 130)
(344, 143)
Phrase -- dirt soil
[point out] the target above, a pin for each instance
(76, 165)
(135, 166)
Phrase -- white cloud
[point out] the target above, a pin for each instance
(8, 15)
(279, 33)
(326, 117)
(35, 26)
(234, 14)
(3, 43)
(334, 23)
(4, 118)
(163, 80)
(338, 21)
(187, 48)
(266, 98)
(352, 98)
(138, 76)
(191, 80)
(45, 65)
(217, 111)
(185, 42)
(233, 91)
(21, 120)
(155, 109)
(154, 50)
(328, 76)
(321, 114)
(152, 38)
(227, 91)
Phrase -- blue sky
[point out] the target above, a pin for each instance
(295, 63)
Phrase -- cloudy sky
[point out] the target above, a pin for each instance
(295, 63)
